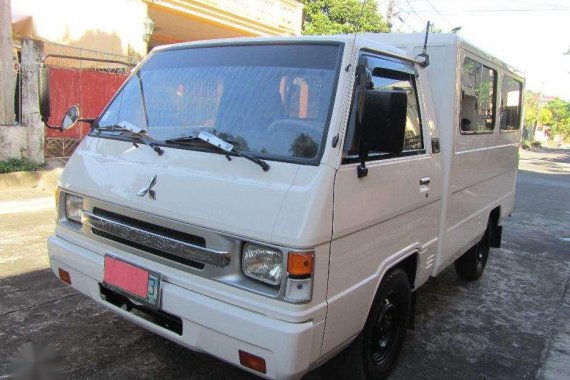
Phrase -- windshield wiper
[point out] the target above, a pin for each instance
(220, 144)
(133, 130)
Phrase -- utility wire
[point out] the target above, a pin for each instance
(497, 10)
(439, 13)
(415, 12)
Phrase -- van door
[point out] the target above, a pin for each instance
(387, 214)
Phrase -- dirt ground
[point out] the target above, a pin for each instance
(512, 324)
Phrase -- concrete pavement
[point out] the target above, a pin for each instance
(513, 323)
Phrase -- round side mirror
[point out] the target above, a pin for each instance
(70, 118)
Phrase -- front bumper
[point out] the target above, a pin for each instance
(208, 325)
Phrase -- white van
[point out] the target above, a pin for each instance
(273, 202)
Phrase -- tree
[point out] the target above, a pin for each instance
(342, 17)
(533, 104)
(560, 110)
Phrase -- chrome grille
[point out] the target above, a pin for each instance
(155, 239)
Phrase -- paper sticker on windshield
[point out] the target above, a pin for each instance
(208, 137)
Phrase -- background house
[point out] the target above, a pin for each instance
(101, 41)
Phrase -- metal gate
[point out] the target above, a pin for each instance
(84, 77)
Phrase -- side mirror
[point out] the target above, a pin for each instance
(43, 87)
(70, 118)
(383, 124)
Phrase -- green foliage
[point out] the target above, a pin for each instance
(560, 119)
(304, 146)
(15, 165)
(554, 113)
(342, 17)
(525, 144)
(544, 117)
(531, 108)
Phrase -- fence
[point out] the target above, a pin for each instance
(84, 77)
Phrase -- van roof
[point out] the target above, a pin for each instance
(450, 40)
(385, 42)
(343, 38)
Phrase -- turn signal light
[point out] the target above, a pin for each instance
(252, 362)
(300, 263)
(64, 276)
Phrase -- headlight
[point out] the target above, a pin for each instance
(262, 263)
(73, 207)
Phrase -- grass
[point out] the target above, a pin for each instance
(16, 165)
(525, 144)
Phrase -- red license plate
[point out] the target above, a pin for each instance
(132, 281)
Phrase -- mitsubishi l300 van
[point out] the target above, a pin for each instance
(274, 202)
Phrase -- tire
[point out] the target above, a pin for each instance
(373, 353)
(471, 265)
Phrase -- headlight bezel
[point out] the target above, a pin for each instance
(278, 263)
(72, 206)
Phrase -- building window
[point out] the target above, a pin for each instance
(478, 98)
(511, 94)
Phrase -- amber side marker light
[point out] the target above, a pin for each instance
(64, 276)
(56, 196)
(252, 362)
(300, 263)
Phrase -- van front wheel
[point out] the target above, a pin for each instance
(374, 352)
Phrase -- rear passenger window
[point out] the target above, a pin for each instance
(511, 90)
(478, 97)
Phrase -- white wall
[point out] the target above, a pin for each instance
(114, 26)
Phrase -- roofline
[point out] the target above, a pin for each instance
(384, 48)
(253, 40)
(449, 39)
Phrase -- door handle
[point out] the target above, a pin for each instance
(424, 181)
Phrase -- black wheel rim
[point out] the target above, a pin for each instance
(386, 330)
(481, 254)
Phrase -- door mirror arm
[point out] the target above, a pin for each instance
(46, 124)
(89, 121)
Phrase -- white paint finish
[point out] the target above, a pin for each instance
(358, 227)
(85, 248)
(374, 218)
(204, 189)
(211, 326)
(305, 218)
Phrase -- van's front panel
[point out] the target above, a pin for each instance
(236, 235)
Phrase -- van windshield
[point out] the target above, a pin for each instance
(269, 100)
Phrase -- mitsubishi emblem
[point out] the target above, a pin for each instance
(148, 190)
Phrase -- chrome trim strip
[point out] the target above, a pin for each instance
(153, 240)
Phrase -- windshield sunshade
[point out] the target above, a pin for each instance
(269, 100)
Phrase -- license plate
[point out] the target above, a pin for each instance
(132, 281)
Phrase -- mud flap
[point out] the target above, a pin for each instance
(412, 323)
(496, 236)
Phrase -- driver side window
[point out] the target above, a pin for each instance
(385, 76)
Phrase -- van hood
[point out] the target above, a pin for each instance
(196, 187)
